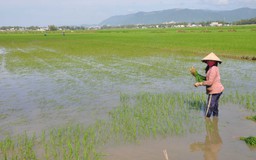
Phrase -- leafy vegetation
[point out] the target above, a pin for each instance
(251, 140)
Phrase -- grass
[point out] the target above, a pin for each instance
(54, 52)
(86, 57)
(142, 42)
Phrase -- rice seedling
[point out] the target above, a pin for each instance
(138, 116)
(251, 140)
(3, 116)
(83, 65)
(246, 99)
(143, 115)
(253, 118)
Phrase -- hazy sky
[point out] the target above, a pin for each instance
(78, 12)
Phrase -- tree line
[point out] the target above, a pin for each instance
(55, 28)
(246, 21)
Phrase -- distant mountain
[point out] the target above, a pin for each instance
(181, 15)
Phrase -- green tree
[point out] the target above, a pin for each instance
(52, 28)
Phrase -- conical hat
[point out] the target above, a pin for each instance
(211, 57)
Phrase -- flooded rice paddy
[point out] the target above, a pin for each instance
(42, 89)
(218, 140)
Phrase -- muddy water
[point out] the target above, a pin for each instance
(86, 90)
(219, 140)
(32, 100)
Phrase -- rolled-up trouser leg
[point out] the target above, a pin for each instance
(212, 105)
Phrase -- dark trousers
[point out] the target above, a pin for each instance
(212, 107)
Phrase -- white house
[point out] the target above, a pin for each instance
(215, 24)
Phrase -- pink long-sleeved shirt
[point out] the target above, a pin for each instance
(213, 83)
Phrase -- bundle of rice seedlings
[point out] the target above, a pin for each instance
(251, 140)
(198, 77)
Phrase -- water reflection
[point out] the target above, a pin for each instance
(213, 142)
(3, 64)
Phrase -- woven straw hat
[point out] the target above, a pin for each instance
(211, 57)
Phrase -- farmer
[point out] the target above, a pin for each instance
(214, 88)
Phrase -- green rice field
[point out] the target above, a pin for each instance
(125, 94)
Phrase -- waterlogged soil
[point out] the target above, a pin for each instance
(219, 140)
(82, 89)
